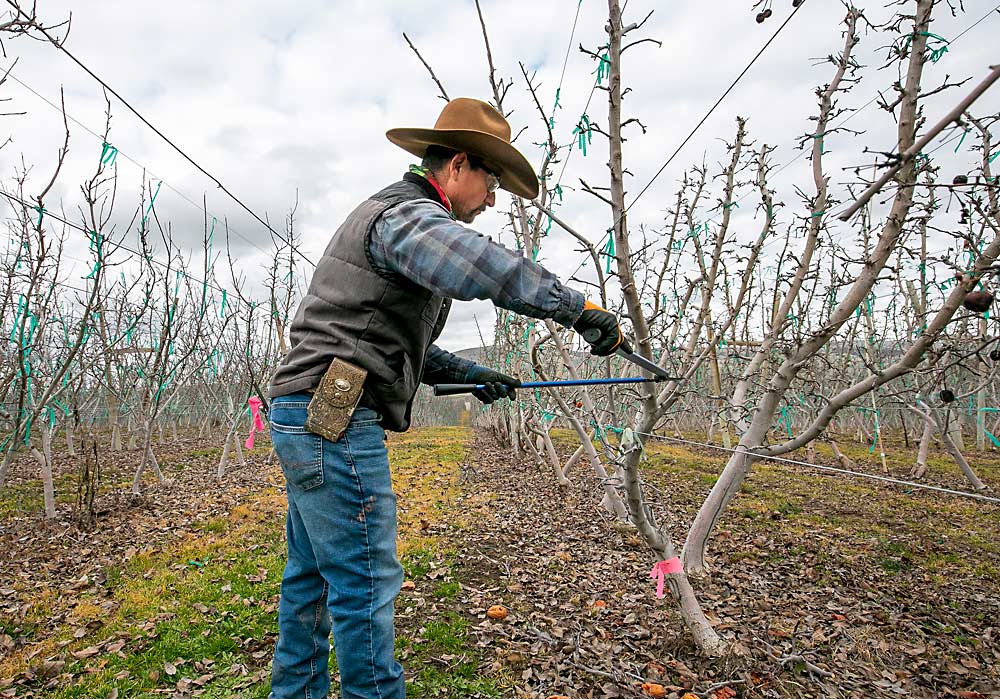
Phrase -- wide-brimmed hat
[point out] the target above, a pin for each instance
(474, 127)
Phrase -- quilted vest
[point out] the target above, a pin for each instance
(379, 321)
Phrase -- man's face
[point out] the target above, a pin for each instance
(470, 187)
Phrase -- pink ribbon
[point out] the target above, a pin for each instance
(671, 566)
(258, 422)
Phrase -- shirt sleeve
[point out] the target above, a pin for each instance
(441, 366)
(420, 241)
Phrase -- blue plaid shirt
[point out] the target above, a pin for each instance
(420, 240)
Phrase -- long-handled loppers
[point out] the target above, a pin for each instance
(451, 389)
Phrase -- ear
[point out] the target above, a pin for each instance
(458, 163)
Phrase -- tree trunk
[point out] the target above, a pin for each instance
(116, 436)
(920, 468)
(224, 459)
(956, 454)
(554, 460)
(239, 450)
(8, 456)
(148, 457)
(44, 458)
(842, 458)
(70, 445)
(573, 460)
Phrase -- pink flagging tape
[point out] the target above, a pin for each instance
(671, 566)
(258, 422)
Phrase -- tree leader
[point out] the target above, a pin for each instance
(361, 342)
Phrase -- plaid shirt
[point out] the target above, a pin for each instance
(420, 241)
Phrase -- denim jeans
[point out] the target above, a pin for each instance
(342, 570)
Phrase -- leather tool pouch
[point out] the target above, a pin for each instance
(335, 399)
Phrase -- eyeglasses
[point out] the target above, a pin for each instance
(492, 179)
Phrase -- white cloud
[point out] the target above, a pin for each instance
(279, 98)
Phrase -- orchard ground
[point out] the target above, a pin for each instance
(823, 585)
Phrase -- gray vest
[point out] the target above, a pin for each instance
(382, 322)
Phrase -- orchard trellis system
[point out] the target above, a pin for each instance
(808, 328)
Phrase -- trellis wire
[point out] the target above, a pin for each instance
(62, 47)
(131, 159)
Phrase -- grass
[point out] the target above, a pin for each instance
(201, 613)
(892, 529)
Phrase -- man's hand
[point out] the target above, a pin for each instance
(497, 385)
(600, 328)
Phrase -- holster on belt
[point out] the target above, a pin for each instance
(335, 399)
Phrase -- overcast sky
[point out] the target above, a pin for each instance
(290, 99)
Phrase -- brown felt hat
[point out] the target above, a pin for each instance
(474, 127)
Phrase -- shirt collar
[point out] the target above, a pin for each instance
(422, 175)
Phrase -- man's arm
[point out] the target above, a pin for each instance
(442, 366)
(420, 241)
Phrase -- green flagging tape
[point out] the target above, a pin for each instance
(731, 205)
(556, 105)
(222, 310)
(96, 247)
(994, 156)
(996, 442)
(151, 201)
(961, 140)
(41, 212)
(608, 251)
(604, 67)
(559, 192)
(583, 133)
(109, 154)
(935, 52)
(786, 417)
(818, 213)
(871, 449)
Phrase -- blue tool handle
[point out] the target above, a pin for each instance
(453, 389)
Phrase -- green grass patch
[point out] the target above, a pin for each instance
(201, 614)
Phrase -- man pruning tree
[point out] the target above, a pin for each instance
(361, 342)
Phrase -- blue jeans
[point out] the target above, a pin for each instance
(342, 570)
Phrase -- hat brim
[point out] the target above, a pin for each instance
(516, 174)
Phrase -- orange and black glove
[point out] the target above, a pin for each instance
(601, 330)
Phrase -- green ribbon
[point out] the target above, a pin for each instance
(608, 251)
(604, 67)
(109, 154)
(583, 133)
(786, 417)
(961, 140)
(151, 201)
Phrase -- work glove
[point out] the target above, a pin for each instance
(497, 385)
(600, 328)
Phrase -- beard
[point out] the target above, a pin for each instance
(470, 216)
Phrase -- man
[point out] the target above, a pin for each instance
(361, 342)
